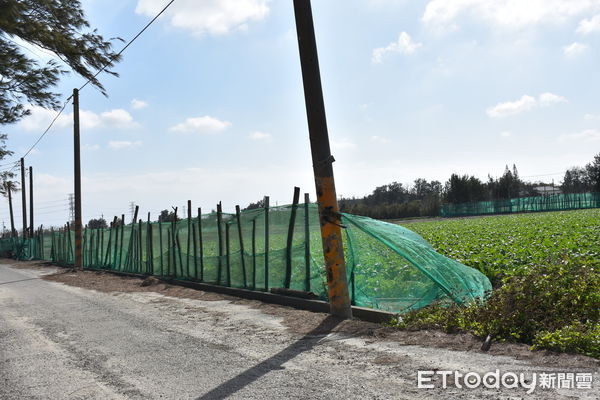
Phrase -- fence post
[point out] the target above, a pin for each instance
(290, 238)
(201, 244)
(160, 244)
(306, 243)
(266, 205)
(239, 224)
(254, 253)
(227, 263)
(220, 237)
(189, 228)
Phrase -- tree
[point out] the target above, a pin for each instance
(58, 26)
(166, 216)
(464, 189)
(593, 173)
(98, 223)
(575, 181)
(7, 175)
(253, 206)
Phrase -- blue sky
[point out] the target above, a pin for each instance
(209, 103)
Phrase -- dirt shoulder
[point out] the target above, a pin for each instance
(301, 322)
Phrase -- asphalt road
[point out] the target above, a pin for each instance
(63, 342)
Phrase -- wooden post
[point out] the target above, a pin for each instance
(23, 198)
(290, 238)
(189, 228)
(220, 237)
(195, 241)
(121, 242)
(160, 245)
(140, 256)
(200, 244)
(306, 243)
(150, 248)
(254, 253)
(227, 263)
(31, 201)
(266, 205)
(241, 237)
(330, 220)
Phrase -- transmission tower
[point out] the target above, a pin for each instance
(71, 207)
(131, 209)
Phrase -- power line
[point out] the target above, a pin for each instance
(130, 42)
(95, 75)
(47, 129)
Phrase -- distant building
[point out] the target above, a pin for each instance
(547, 190)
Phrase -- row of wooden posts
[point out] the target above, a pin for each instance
(97, 254)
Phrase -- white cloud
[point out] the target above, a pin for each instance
(205, 124)
(90, 147)
(138, 104)
(547, 99)
(404, 45)
(123, 144)
(215, 17)
(259, 136)
(343, 144)
(574, 49)
(500, 110)
(507, 14)
(589, 135)
(525, 103)
(589, 25)
(380, 139)
(506, 134)
(40, 118)
(118, 118)
(591, 117)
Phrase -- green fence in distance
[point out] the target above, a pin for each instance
(554, 202)
(389, 267)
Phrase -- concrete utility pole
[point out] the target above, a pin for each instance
(30, 201)
(77, 176)
(23, 198)
(13, 231)
(330, 218)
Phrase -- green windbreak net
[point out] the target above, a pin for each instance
(554, 202)
(389, 267)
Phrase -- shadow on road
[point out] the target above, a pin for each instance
(306, 343)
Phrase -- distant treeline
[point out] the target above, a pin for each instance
(425, 198)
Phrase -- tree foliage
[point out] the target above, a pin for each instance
(97, 223)
(6, 176)
(57, 26)
(168, 216)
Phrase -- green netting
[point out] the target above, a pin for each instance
(389, 267)
(554, 202)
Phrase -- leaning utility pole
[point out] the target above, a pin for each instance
(77, 176)
(31, 202)
(13, 231)
(330, 218)
(23, 198)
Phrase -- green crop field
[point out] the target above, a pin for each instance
(500, 245)
(545, 268)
